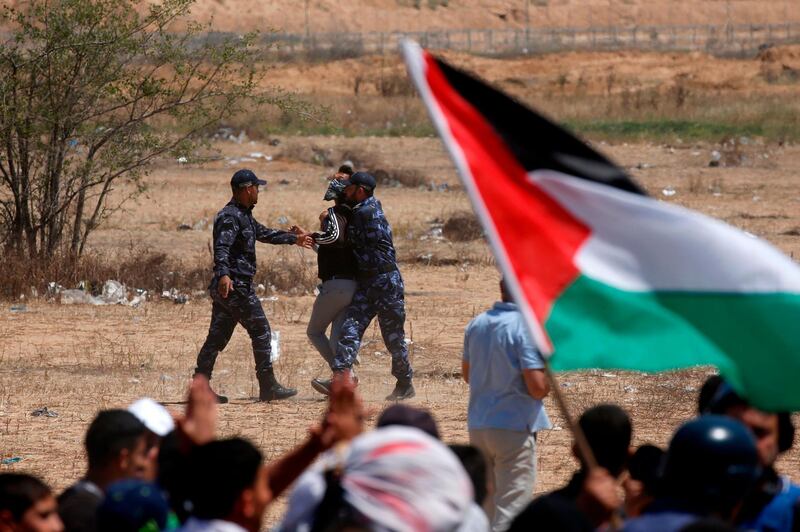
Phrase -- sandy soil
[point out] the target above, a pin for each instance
(78, 359)
(404, 15)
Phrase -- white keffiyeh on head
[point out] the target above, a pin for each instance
(396, 478)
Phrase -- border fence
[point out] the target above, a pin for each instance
(723, 39)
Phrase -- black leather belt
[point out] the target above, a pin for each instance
(372, 272)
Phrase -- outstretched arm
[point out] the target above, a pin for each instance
(343, 421)
(278, 236)
(274, 236)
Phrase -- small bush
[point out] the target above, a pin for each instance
(462, 227)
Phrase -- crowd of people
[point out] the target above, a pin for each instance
(148, 471)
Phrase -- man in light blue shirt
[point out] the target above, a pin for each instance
(507, 383)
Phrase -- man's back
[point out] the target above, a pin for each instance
(498, 349)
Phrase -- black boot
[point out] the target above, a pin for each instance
(270, 389)
(221, 399)
(402, 390)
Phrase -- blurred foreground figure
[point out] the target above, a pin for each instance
(710, 467)
(774, 504)
(394, 478)
(507, 383)
(641, 484)
(228, 487)
(116, 448)
(135, 506)
(27, 505)
(589, 498)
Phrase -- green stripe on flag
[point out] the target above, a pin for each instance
(754, 339)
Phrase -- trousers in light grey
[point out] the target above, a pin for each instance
(329, 309)
(511, 464)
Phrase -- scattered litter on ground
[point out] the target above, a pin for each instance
(175, 296)
(629, 389)
(114, 293)
(283, 220)
(182, 160)
(260, 289)
(10, 460)
(275, 346)
(165, 378)
(18, 308)
(44, 412)
(134, 380)
(609, 375)
(269, 298)
(669, 191)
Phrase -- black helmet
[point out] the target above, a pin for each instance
(712, 461)
(335, 190)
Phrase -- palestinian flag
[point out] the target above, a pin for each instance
(606, 276)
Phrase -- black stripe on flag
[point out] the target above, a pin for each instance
(537, 143)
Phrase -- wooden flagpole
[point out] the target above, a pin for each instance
(584, 450)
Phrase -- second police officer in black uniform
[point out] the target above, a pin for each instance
(380, 288)
(234, 300)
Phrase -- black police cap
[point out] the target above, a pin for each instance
(245, 178)
(362, 179)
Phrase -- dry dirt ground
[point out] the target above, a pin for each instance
(321, 16)
(425, 15)
(78, 359)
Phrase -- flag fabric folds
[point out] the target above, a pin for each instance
(606, 276)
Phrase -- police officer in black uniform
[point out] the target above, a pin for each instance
(234, 300)
(380, 286)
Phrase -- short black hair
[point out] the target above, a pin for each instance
(608, 430)
(475, 465)
(18, 492)
(409, 416)
(708, 392)
(219, 472)
(645, 466)
(345, 169)
(111, 432)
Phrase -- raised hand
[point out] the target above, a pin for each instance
(344, 419)
(199, 424)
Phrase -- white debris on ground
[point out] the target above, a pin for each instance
(114, 293)
(175, 296)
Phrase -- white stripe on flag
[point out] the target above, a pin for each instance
(641, 244)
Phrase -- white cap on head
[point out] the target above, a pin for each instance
(155, 417)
